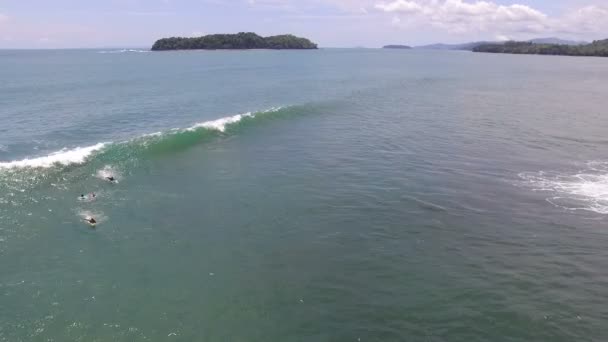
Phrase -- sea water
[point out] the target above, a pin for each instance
(330, 195)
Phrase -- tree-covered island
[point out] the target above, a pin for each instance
(239, 41)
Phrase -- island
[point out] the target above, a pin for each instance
(403, 47)
(239, 41)
(598, 48)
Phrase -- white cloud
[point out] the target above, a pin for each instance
(352, 6)
(519, 13)
(273, 4)
(402, 6)
(588, 19)
(491, 18)
(471, 19)
(459, 10)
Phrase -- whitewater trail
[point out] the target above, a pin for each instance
(586, 189)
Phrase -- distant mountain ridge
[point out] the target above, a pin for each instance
(472, 45)
(440, 46)
(557, 41)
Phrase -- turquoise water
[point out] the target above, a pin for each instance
(331, 195)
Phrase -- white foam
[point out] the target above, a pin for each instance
(108, 171)
(583, 190)
(155, 134)
(63, 157)
(97, 215)
(221, 123)
(272, 109)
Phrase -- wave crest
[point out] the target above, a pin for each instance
(160, 141)
(220, 124)
(77, 155)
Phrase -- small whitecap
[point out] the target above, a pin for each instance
(585, 189)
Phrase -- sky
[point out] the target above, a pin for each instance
(330, 23)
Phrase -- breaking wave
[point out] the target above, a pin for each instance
(586, 189)
(63, 157)
(160, 142)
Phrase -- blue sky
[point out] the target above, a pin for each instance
(331, 23)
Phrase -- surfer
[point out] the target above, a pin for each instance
(88, 197)
(91, 221)
(111, 179)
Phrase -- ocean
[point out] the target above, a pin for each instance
(330, 195)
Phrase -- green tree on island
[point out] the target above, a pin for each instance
(242, 40)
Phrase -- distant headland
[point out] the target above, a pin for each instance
(403, 47)
(538, 46)
(470, 46)
(598, 48)
(239, 41)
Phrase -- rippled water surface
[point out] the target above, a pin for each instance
(331, 195)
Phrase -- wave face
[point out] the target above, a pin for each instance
(30, 181)
(168, 141)
(586, 189)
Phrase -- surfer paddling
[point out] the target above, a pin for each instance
(88, 197)
(91, 221)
